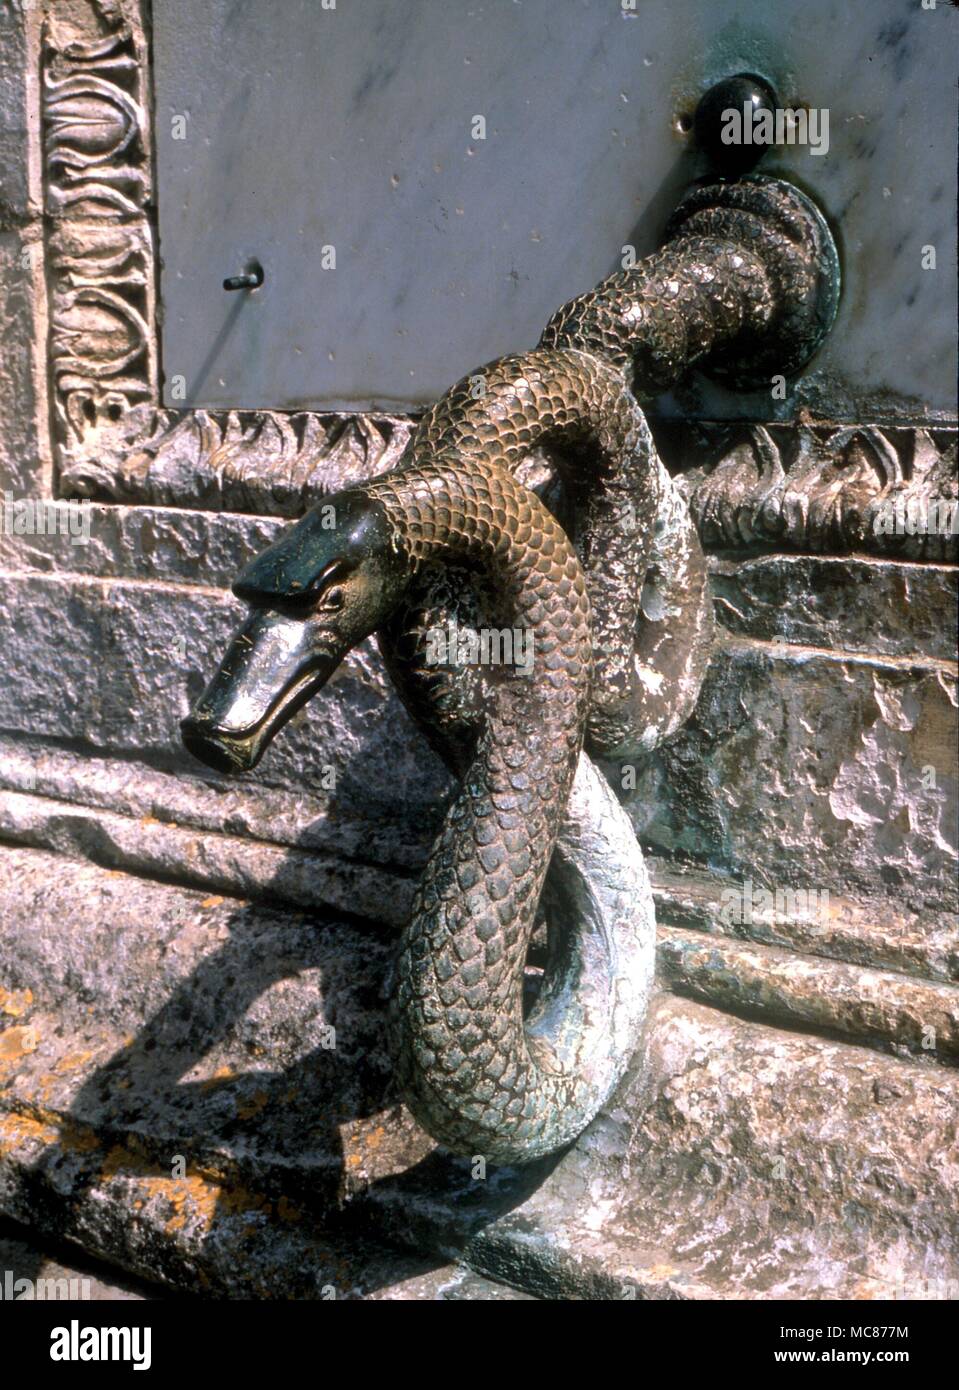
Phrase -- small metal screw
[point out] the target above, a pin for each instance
(250, 280)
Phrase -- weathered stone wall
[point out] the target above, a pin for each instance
(153, 912)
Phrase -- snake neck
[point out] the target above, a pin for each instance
(645, 574)
(456, 513)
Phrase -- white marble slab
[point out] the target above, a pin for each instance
(352, 127)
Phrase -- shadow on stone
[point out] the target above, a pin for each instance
(258, 1102)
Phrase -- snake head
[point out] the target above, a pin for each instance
(325, 585)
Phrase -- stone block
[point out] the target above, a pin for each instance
(14, 185)
(817, 770)
(843, 602)
(21, 451)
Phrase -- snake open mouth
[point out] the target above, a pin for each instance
(229, 750)
(269, 673)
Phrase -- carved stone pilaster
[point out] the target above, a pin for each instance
(98, 184)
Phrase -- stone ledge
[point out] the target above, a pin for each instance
(139, 841)
(911, 1017)
(813, 769)
(216, 862)
(878, 934)
(873, 605)
(384, 1275)
(748, 1164)
(880, 1008)
(277, 817)
(844, 603)
(830, 753)
(22, 1259)
(169, 828)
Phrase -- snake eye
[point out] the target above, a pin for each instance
(332, 600)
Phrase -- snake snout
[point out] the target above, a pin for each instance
(208, 745)
(274, 664)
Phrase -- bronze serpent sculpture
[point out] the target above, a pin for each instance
(618, 609)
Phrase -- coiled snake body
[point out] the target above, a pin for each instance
(478, 1077)
(619, 616)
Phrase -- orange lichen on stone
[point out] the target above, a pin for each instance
(71, 1061)
(193, 1195)
(221, 1074)
(288, 1211)
(48, 1128)
(197, 1197)
(15, 1002)
(15, 1044)
(18, 1130)
(253, 1106)
(44, 1085)
(190, 1197)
